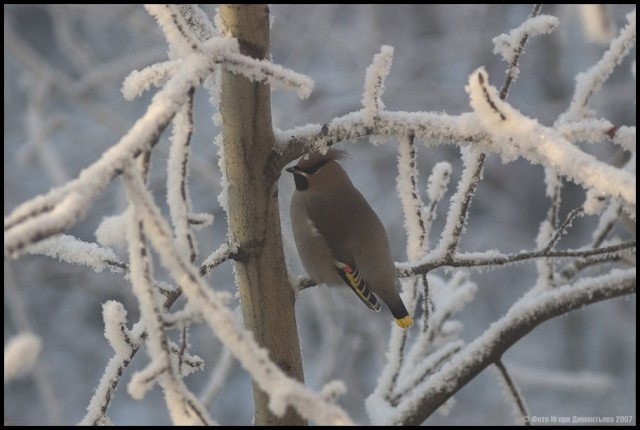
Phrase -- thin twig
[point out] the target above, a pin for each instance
(561, 230)
(471, 260)
(513, 67)
(515, 393)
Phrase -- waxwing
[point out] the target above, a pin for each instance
(339, 237)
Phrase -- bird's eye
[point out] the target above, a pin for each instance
(313, 169)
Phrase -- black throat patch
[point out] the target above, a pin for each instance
(301, 182)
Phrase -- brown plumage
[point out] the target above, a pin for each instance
(339, 237)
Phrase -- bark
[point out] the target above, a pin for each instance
(253, 214)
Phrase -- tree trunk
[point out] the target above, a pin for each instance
(254, 218)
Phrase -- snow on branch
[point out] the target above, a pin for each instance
(179, 23)
(588, 83)
(447, 299)
(265, 71)
(414, 220)
(523, 316)
(123, 340)
(183, 406)
(438, 363)
(156, 75)
(597, 130)
(510, 46)
(492, 257)
(175, 28)
(57, 210)
(412, 205)
(178, 197)
(433, 345)
(219, 256)
(224, 52)
(514, 135)
(437, 186)
(518, 49)
(438, 182)
(460, 201)
(72, 250)
(198, 21)
(115, 328)
(519, 136)
(431, 128)
(374, 84)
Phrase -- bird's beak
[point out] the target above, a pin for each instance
(291, 169)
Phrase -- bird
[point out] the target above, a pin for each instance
(339, 237)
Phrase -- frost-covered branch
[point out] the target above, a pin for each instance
(403, 389)
(57, 210)
(561, 230)
(178, 196)
(526, 314)
(176, 30)
(488, 258)
(372, 103)
(554, 187)
(461, 200)
(515, 135)
(434, 344)
(412, 207)
(183, 406)
(222, 254)
(126, 344)
(597, 130)
(534, 142)
(588, 83)
(437, 186)
(72, 250)
(510, 46)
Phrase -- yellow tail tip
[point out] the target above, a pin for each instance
(405, 322)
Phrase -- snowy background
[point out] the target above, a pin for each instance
(63, 70)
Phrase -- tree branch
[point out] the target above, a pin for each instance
(482, 259)
(522, 318)
(514, 393)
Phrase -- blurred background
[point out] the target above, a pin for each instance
(63, 69)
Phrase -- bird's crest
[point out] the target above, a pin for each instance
(317, 159)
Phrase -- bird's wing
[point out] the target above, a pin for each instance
(333, 219)
(352, 278)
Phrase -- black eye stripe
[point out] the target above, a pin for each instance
(314, 169)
